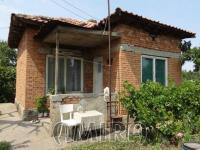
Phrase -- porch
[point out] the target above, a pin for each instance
(76, 67)
(76, 59)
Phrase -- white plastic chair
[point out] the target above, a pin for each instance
(68, 123)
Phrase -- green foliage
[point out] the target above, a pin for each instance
(51, 91)
(5, 145)
(41, 104)
(185, 46)
(195, 76)
(192, 54)
(195, 57)
(169, 110)
(7, 84)
(120, 145)
(7, 73)
(7, 55)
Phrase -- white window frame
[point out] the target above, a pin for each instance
(154, 58)
(65, 71)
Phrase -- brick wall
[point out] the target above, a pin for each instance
(88, 72)
(130, 68)
(35, 76)
(30, 81)
(125, 65)
(130, 62)
(174, 70)
(21, 72)
(141, 38)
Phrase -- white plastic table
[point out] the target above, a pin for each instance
(90, 119)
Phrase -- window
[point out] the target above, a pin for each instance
(69, 74)
(99, 67)
(154, 69)
(50, 73)
(147, 69)
(73, 81)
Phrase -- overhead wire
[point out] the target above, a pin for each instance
(68, 10)
(79, 9)
(76, 14)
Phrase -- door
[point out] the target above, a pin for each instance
(98, 75)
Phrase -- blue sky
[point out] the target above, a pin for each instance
(180, 13)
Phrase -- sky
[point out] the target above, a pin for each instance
(184, 14)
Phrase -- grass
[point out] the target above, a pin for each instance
(133, 143)
(121, 145)
(5, 145)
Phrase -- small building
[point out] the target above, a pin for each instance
(70, 57)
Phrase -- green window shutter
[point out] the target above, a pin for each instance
(160, 71)
(147, 69)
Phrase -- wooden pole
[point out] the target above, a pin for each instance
(110, 69)
(56, 62)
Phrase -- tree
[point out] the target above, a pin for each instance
(191, 54)
(7, 72)
(7, 55)
(195, 57)
(195, 76)
(185, 47)
(7, 84)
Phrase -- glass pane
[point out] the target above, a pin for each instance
(61, 83)
(147, 69)
(51, 73)
(73, 75)
(160, 71)
(99, 67)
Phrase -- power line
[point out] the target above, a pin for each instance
(59, 5)
(81, 10)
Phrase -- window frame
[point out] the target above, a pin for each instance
(65, 72)
(154, 58)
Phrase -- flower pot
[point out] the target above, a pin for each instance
(40, 115)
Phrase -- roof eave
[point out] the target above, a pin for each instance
(120, 16)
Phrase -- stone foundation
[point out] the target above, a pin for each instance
(94, 102)
(26, 114)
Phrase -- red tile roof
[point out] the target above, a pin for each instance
(45, 19)
(125, 17)
(20, 21)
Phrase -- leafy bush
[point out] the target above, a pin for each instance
(169, 110)
(41, 104)
(7, 72)
(5, 145)
(7, 84)
(191, 75)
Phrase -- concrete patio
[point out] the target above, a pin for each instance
(25, 135)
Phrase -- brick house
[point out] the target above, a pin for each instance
(141, 49)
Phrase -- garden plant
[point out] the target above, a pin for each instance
(172, 113)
